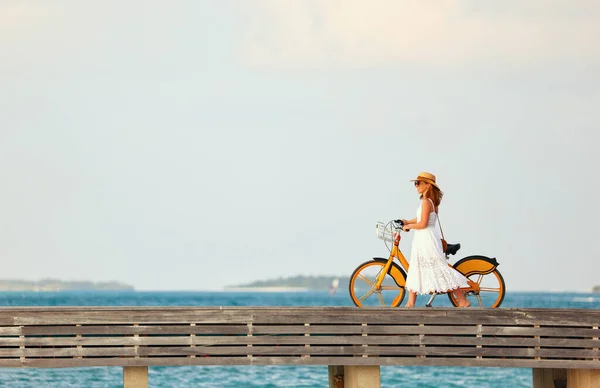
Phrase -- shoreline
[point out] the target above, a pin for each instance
(267, 289)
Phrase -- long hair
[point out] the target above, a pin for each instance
(434, 194)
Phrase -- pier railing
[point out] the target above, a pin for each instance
(560, 345)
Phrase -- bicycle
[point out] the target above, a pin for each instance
(381, 275)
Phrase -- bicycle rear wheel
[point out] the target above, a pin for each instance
(489, 292)
(362, 287)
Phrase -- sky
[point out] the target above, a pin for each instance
(191, 145)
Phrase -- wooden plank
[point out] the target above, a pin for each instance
(232, 315)
(68, 352)
(314, 329)
(299, 340)
(130, 329)
(293, 360)
(10, 362)
(141, 361)
(372, 350)
(341, 350)
(302, 329)
(428, 329)
(566, 332)
(10, 330)
(131, 317)
(214, 318)
(415, 361)
(542, 317)
(313, 315)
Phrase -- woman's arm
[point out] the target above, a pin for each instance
(406, 222)
(425, 210)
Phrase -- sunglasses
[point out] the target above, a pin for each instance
(417, 183)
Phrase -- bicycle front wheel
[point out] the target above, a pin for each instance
(488, 292)
(363, 291)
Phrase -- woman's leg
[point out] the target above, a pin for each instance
(412, 298)
(462, 299)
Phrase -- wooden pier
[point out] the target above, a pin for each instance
(559, 345)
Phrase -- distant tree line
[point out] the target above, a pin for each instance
(300, 281)
(60, 285)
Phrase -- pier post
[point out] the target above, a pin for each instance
(549, 378)
(361, 376)
(135, 377)
(583, 378)
(336, 376)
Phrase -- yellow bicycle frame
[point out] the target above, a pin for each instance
(393, 270)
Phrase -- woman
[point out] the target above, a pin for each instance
(429, 271)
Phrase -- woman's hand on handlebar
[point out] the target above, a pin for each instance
(403, 224)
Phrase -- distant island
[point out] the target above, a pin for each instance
(61, 285)
(293, 283)
(596, 289)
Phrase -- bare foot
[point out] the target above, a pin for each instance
(465, 305)
(409, 305)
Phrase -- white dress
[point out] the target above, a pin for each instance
(429, 270)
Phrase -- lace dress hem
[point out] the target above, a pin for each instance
(419, 292)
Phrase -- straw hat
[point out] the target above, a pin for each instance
(426, 177)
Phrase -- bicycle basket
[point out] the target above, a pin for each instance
(384, 231)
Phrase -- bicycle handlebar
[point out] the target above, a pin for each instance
(401, 223)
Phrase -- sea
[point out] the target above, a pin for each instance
(266, 376)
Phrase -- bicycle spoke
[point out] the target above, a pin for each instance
(365, 279)
(365, 296)
(381, 301)
(480, 279)
(479, 301)
(391, 288)
(488, 289)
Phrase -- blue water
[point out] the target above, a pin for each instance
(264, 376)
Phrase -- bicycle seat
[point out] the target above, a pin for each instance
(452, 249)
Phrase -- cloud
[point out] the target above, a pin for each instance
(358, 33)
